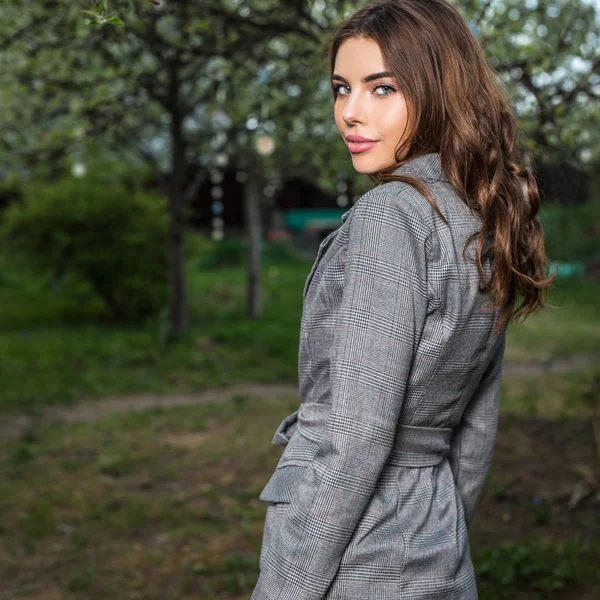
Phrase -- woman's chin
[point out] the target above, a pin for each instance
(364, 165)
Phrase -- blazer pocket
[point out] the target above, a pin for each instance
(285, 429)
(280, 487)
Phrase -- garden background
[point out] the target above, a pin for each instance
(148, 340)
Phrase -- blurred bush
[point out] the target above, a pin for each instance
(10, 191)
(226, 253)
(196, 246)
(279, 251)
(234, 253)
(572, 232)
(98, 233)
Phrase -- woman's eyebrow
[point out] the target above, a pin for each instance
(365, 79)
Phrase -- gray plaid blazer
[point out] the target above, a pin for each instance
(399, 380)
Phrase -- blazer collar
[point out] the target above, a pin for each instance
(426, 166)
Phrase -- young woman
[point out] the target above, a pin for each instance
(404, 320)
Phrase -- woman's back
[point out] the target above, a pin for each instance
(379, 477)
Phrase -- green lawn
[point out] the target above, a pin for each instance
(571, 327)
(56, 349)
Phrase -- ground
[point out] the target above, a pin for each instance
(146, 497)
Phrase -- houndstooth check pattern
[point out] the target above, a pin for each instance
(399, 379)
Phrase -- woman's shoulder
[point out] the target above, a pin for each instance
(396, 193)
(396, 202)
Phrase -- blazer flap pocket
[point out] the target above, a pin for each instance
(280, 487)
(285, 429)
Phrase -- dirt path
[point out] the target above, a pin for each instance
(91, 410)
(566, 365)
(12, 425)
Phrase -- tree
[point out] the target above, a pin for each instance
(147, 87)
(547, 53)
(182, 86)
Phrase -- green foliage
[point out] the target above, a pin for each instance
(196, 246)
(234, 252)
(571, 232)
(10, 191)
(102, 19)
(85, 231)
(227, 253)
(99, 15)
(516, 566)
(279, 251)
(56, 350)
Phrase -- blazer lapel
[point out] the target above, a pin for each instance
(322, 247)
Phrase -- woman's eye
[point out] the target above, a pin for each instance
(387, 87)
(336, 89)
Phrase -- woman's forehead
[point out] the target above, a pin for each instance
(358, 58)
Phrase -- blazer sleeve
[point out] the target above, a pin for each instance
(472, 446)
(377, 328)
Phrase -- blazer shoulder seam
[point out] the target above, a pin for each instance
(398, 196)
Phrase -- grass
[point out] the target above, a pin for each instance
(553, 396)
(158, 504)
(539, 568)
(57, 349)
(66, 353)
(572, 328)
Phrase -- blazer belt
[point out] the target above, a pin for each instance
(420, 446)
(413, 446)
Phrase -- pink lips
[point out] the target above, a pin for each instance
(358, 143)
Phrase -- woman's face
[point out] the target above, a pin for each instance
(368, 103)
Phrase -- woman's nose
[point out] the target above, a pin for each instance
(354, 110)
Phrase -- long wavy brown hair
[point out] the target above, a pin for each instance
(458, 109)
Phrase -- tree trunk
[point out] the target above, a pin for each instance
(178, 306)
(254, 237)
